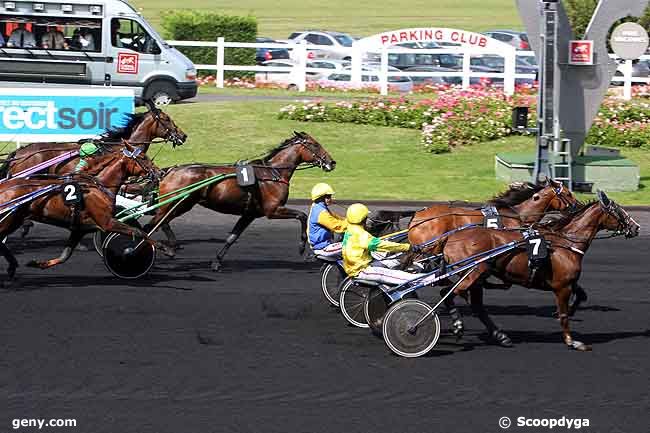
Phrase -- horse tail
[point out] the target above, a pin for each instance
(6, 164)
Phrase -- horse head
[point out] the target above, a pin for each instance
(311, 151)
(616, 218)
(560, 196)
(160, 125)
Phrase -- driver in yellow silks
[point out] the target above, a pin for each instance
(357, 246)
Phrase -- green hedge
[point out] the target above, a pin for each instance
(208, 26)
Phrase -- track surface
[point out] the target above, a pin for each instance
(256, 349)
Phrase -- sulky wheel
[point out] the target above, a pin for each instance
(376, 306)
(99, 237)
(331, 276)
(128, 258)
(374, 309)
(400, 333)
(351, 301)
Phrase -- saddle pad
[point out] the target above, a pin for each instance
(491, 218)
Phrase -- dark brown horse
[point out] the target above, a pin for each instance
(111, 166)
(569, 239)
(267, 197)
(141, 130)
(95, 212)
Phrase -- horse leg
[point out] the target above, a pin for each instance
(287, 213)
(171, 237)
(27, 226)
(11, 260)
(243, 222)
(457, 324)
(73, 240)
(562, 299)
(476, 299)
(580, 297)
(116, 226)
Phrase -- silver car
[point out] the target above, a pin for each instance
(369, 77)
(330, 45)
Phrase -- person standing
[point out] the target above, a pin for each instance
(21, 38)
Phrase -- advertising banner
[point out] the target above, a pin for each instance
(38, 115)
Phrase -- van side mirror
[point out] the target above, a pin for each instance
(155, 49)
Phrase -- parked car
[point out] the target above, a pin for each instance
(287, 79)
(264, 54)
(418, 45)
(330, 65)
(331, 45)
(290, 78)
(435, 80)
(408, 60)
(369, 76)
(516, 38)
(640, 69)
(496, 64)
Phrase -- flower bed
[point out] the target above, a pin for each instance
(455, 117)
(464, 117)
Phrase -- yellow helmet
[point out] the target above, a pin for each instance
(319, 190)
(356, 213)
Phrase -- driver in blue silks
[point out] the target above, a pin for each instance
(322, 222)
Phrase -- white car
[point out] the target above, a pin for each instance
(330, 45)
(369, 78)
(290, 79)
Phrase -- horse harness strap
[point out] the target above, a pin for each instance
(491, 217)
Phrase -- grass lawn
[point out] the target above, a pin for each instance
(373, 162)
(280, 18)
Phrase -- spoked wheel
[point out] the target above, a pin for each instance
(375, 307)
(331, 277)
(400, 333)
(351, 301)
(128, 258)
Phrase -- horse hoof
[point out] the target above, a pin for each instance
(458, 329)
(215, 266)
(501, 339)
(579, 346)
(81, 247)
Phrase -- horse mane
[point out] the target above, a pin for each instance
(517, 193)
(567, 215)
(274, 151)
(117, 133)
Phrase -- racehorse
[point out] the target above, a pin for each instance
(95, 210)
(111, 166)
(267, 197)
(569, 239)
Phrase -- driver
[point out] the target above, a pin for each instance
(322, 222)
(358, 244)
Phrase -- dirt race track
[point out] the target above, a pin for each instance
(255, 348)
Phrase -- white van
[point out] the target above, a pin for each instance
(85, 42)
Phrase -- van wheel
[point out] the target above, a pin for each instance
(161, 93)
(292, 87)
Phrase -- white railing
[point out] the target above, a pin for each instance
(300, 55)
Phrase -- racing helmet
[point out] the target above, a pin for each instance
(356, 213)
(319, 190)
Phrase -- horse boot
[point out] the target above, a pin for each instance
(501, 338)
(457, 325)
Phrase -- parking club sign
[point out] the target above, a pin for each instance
(38, 115)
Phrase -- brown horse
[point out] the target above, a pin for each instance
(111, 166)
(96, 210)
(569, 239)
(267, 197)
(140, 130)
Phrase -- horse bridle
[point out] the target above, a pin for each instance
(169, 134)
(320, 159)
(625, 221)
